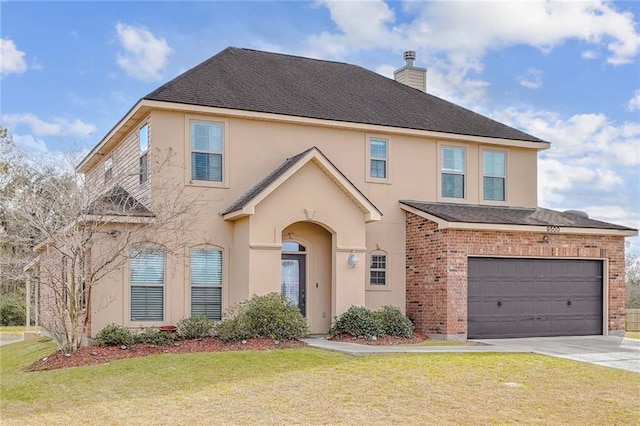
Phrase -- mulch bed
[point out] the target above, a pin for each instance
(93, 355)
(384, 340)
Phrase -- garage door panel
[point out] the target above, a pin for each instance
(534, 296)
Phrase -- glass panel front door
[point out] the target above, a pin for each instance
(293, 279)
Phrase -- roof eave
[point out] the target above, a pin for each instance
(120, 129)
(321, 122)
(446, 224)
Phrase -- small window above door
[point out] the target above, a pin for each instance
(292, 247)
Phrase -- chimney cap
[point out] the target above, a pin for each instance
(409, 57)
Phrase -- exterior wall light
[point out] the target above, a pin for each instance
(352, 259)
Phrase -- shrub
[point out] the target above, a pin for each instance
(232, 330)
(359, 322)
(394, 322)
(195, 327)
(12, 313)
(114, 335)
(271, 315)
(153, 336)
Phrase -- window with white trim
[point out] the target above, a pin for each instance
(206, 283)
(108, 169)
(143, 142)
(453, 172)
(378, 269)
(378, 158)
(493, 175)
(207, 146)
(147, 284)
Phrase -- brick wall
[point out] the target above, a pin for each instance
(437, 269)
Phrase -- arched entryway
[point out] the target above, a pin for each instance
(306, 277)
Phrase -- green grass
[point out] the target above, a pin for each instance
(311, 386)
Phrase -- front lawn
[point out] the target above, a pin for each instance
(311, 386)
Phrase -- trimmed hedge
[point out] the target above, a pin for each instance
(359, 321)
(271, 315)
(195, 327)
(114, 335)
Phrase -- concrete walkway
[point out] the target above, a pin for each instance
(610, 351)
(8, 338)
(360, 350)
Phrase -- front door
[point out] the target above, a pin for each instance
(294, 280)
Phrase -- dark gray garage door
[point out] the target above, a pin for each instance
(534, 297)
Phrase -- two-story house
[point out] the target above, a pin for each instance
(337, 186)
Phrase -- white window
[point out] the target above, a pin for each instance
(378, 158)
(206, 283)
(147, 284)
(108, 169)
(143, 139)
(453, 169)
(207, 145)
(493, 175)
(378, 269)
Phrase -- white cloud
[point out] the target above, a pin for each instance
(30, 144)
(634, 102)
(11, 59)
(56, 127)
(531, 79)
(455, 35)
(144, 56)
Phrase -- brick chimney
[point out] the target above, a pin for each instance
(411, 76)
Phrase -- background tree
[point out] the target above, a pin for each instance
(632, 279)
(81, 234)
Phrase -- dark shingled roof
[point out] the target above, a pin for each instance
(251, 80)
(118, 202)
(508, 215)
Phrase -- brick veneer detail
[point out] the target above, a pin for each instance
(436, 269)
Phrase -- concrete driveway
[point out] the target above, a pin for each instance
(8, 338)
(610, 351)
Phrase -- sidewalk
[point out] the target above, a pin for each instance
(356, 349)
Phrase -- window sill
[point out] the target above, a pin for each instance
(378, 180)
(207, 184)
(378, 287)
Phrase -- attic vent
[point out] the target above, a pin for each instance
(578, 213)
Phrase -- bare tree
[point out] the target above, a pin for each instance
(632, 278)
(81, 235)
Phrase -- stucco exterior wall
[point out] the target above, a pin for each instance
(253, 148)
(437, 270)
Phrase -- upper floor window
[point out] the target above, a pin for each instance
(453, 170)
(206, 151)
(147, 284)
(378, 269)
(143, 140)
(493, 175)
(378, 158)
(108, 169)
(206, 283)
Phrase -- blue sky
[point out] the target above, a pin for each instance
(567, 72)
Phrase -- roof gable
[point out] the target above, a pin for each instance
(258, 81)
(245, 205)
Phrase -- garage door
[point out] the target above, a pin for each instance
(534, 297)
